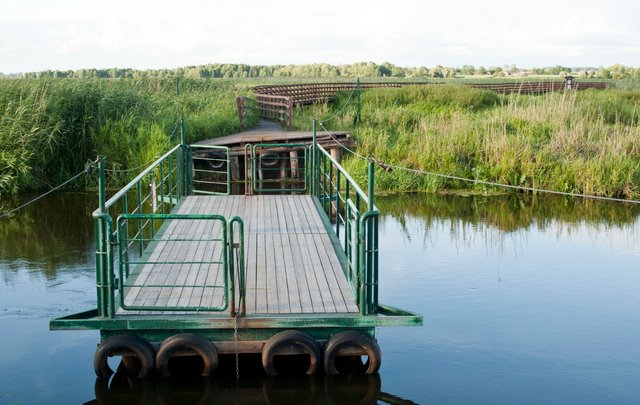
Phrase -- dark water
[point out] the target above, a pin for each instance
(524, 301)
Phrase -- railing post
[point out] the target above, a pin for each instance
(314, 157)
(185, 160)
(290, 112)
(371, 206)
(358, 114)
(100, 229)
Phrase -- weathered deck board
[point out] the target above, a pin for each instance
(291, 266)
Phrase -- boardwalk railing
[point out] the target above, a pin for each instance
(278, 167)
(354, 220)
(211, 172)
(143, 208)
(200, 275)
(156, 190)
(277, 101)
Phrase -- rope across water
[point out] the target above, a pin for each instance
(388, 166)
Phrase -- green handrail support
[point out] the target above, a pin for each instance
(276, 167)
(211, 169)
(237, 267)
(347, 205)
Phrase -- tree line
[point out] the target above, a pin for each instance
(325, 70)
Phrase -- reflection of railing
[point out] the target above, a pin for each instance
(211, 169)
(349, 208)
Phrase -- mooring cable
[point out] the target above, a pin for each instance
(87, 170)
(389, 167)
(153, 159)
(344, 106)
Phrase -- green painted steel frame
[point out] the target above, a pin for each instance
(167, 180)
(385, 316)
(228, 282)
(256, 157)
(337, 196)
(226, 172)
(361, 265)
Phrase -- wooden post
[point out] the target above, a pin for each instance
(283, 170)
(335, 154)
(235, 168)
(290, 112)
(240, 105)
(248, 171)
(293, 156)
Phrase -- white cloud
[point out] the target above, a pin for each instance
(69, 34)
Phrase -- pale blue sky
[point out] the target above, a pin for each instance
(70, 34)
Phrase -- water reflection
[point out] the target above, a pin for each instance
(550, 318)
(53, 234)
(351, 389)
(494, 218)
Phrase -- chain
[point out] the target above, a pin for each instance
(235, 332)
(235, 344)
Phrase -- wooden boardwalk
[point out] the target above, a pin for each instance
(272, 132)
(291, 265)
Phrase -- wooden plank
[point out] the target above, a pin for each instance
(280, 269)
(316, 267)
(327, 271)
(139, 295)
(213, 275)
(291, 276)
(308, 268)
(344, 286)
(251, 254)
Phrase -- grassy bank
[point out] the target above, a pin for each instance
(583, 142)
(49, 128)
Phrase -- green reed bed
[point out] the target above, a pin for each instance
(50, 128)
(579, 142)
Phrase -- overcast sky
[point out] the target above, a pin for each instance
(69, 34)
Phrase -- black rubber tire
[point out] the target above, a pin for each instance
(187, 341)
(352, 338)
(134, 345)
(269, 159)
(290, 337)
(220, 162)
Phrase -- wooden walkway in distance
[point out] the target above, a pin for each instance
(291, 264)
(273, 132)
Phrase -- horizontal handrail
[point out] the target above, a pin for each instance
(346, 175)
(133, 182)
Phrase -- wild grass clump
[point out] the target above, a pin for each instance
(49, 128)
(579, 142)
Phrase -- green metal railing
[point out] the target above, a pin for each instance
(156, 190)
(354, 220)
(193, 258)
(211, 172)
(279, 167)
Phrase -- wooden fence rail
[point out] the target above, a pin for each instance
(277, 101)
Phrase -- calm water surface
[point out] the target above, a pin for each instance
(524, 301)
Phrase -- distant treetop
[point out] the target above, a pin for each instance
(325, 70)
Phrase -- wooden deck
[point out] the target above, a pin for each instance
(291, 265)
(272, 132)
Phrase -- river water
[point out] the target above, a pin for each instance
(524, 301)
